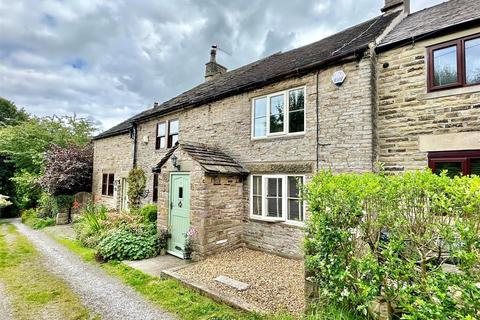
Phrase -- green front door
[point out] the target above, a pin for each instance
(179, 218)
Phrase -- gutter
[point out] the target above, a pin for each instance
(134, 137)
(456, 27)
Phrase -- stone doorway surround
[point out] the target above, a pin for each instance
(216, 196)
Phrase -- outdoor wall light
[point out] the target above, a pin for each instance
(175, 163)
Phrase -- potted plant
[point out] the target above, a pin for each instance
(163, 237)
(189, 243)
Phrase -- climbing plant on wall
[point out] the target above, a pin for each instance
(136, 187)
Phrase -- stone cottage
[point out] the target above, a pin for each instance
(228, 157)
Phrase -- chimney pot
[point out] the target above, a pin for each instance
(212, 68)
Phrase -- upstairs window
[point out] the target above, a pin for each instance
(167, 134)
(108, 182)
(280, 113)
(454, 64)
(277, 198)
(456, 163)
(161, 140)
(172, 133)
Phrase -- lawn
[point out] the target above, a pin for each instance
(33, 292)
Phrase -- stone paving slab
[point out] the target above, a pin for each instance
(235, 284)
(155, 266)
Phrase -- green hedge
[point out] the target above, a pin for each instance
(372, 235)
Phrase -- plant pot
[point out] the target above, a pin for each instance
(163, 251)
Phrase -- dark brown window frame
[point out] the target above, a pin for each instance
(158, 138)
(170, 143)
(108, 184)
(464, 157)
(461, 65)
(155, 188)
(168, 135)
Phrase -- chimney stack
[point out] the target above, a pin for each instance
(396, 5)
(212, 68)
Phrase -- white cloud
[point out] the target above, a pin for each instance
(109, 60)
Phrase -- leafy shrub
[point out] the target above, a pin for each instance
(90, 225)
(373, 235)
(47, 205)
(31, 218)
(127, 244)
(149, 213)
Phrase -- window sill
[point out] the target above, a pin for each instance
(278, 221)
(279, 137)
(108, 197)
(449, 92)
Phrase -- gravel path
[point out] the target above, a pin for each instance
(5, 312)
(276, 283)
(101, 293)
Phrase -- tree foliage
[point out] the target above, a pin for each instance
(68, 170)
(23, 144)
(397, 237)
(9, 114)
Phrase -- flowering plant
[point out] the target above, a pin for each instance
(189, 242)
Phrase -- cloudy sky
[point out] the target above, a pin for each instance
(107, 60)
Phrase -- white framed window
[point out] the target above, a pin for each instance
(280, 113)
(277, 198)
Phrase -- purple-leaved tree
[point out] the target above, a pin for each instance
(68, 170)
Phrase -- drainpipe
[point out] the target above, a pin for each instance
(317, 125)
(134, 137)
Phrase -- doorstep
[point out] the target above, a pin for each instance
(155, 266)
(213, 294)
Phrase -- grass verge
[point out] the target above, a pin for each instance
(33, 292)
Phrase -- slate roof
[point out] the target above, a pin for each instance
(433, 20)
(354, 40)
(212, 160)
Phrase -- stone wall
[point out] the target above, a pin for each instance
(111, 155)
(407, 114)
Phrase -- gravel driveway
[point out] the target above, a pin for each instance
(101, 293)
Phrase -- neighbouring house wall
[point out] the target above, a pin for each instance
(411, 121)
(111, 155)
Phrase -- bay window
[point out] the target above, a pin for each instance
(454, 64)
(277, 198)
(281, 113)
